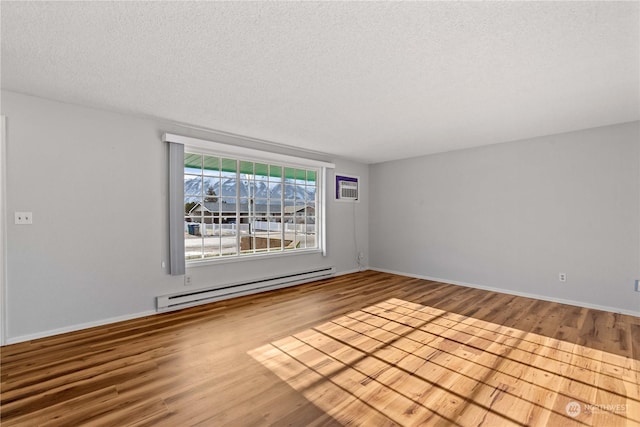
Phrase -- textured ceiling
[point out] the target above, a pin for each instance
(367, 81)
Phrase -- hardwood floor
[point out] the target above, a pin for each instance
(369, 349)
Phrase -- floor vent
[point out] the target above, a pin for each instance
(203, 296)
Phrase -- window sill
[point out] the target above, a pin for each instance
(253, 257)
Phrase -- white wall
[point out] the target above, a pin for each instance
(512, 216)
(96, 182)
(509, 216)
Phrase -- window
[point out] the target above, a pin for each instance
(235, 207)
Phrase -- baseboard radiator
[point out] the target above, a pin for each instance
(202, 296)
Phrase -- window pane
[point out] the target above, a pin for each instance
(228, 206)
(288, 216)
(192, 185)
(191, 204)
(192, 163)
(261, 178)
(289, 192)
(261, 206)
(310, 195)
(311, 176)
(275, 242)
(290, 174)
(261, 170)
(302, 241)
(228, 238)
(211, 166)
(301, 193)
(194, 218)
(246, 168)
(247, 243)
(290, 242)
(275, 192)
(212, 242)
(261, 189)
(229, 168)
(275, 171)
(245, 188)
(192, 238)
(301, 176)
(210, 189)
(228, 190)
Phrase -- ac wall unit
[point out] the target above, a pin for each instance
(347, 188)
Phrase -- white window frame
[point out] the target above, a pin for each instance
(3, 230)
(217, 149)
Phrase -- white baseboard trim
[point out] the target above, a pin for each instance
(354, 270)
(79, 327)
(511, 292)
(74, 328)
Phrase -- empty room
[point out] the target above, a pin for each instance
(320, 213)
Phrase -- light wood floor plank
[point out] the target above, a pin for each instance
(363, 349)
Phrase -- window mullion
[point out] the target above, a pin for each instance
(252, 208)
(238, 183)
(202, 225)
(282, 212)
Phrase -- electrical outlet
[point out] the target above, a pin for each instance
(637, 285)
(562, 277)
(360, 256)
(187, 279)
(23, 218)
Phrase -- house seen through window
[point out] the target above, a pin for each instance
(234, 207)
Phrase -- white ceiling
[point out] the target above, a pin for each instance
(367, 81)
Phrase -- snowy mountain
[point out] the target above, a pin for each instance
(225, 190)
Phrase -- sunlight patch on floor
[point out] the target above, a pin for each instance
(408, 364)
